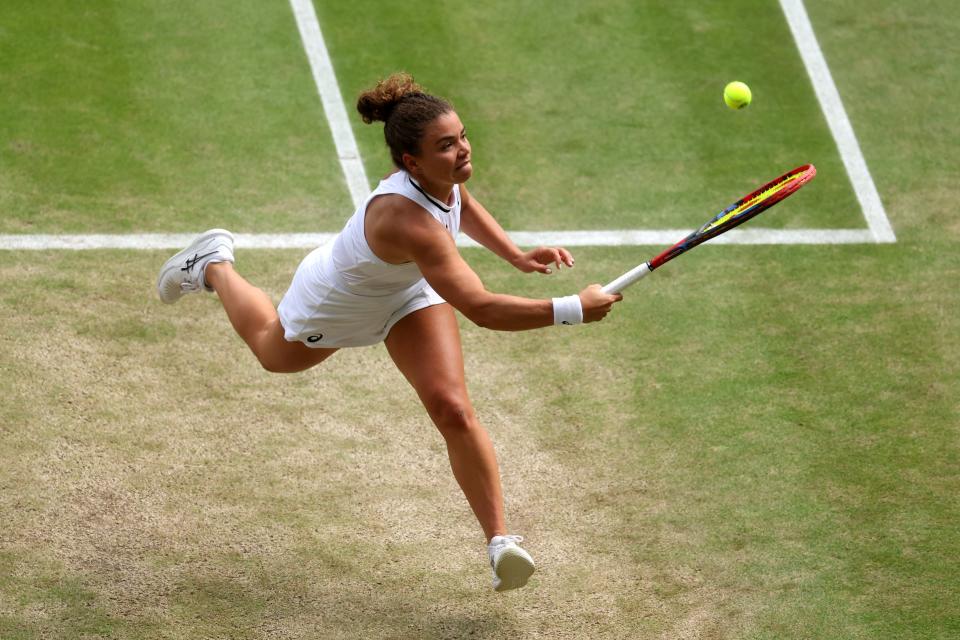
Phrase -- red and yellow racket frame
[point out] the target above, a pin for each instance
(736, 214)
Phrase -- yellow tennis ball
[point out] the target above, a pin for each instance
(737, 95)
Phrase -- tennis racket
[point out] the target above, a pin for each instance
(733, 216)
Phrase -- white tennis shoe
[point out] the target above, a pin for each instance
(183, 273)
(512, 566)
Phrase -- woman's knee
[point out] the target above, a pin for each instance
(277, 355)
(451, 412)
(290, 360)
(267, 354)
(273, 365)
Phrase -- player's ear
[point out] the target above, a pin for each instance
(409, 163)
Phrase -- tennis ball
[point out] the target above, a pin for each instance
(737, 95)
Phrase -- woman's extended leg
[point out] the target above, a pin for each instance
(255, 319)
(425, 346)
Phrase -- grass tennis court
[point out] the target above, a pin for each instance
(761, 442)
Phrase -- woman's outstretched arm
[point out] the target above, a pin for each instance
(476, 222)
(416, 236)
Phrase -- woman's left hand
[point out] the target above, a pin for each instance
(541, 258)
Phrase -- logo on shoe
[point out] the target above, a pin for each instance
(191, 262)
(315, 338)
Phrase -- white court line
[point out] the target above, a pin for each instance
(349, 155)
(837, 120)
(612, 238)
(329, 90)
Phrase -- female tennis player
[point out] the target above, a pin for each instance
(394, 275)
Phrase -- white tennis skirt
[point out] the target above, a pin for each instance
(319, 311)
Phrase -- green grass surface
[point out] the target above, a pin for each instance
(606, 116)
(779, 466)
(760, 442)
(132, 117)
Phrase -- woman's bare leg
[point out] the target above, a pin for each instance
(255, 319)
(425, 346)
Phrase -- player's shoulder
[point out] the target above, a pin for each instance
(396, 209)
(401, 221)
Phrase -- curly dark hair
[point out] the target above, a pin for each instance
(405, 109)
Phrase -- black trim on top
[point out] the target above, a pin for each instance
(429, 197)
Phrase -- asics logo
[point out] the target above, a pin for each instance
(316, 338)
(191, 262)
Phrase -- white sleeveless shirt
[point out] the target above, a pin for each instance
(343, 295)
(355, 264)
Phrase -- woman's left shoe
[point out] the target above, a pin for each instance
(183, 273)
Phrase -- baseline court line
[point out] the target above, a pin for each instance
(358, 185)
(611, 238)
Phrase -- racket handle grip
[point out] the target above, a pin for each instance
(628, 278)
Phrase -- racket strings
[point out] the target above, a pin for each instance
(740, 212)
(752, 201)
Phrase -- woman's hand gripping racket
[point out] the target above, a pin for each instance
(734, 215)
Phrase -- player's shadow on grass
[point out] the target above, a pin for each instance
(334, 600)
(456, 625)
(417, 614)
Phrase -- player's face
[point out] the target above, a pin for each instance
(444, 151)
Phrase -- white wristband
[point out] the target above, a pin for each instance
(567, 310)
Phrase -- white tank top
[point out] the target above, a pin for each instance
(358, 269)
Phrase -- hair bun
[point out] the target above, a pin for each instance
(378, 103)
(405, 110)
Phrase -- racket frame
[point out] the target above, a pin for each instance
(736, 214)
